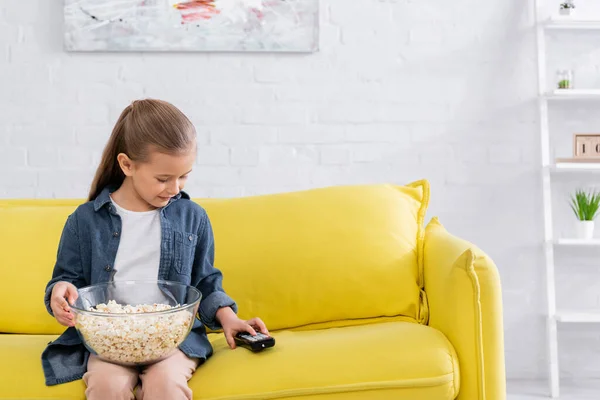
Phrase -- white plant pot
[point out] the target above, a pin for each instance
(567, 11)
(585, 229)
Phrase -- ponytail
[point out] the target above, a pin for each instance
(141, 124)
(109, 172)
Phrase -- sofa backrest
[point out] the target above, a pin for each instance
(294, 259)
(29, 234)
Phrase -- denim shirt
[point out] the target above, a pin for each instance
(86, 255)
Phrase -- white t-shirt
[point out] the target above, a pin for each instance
(138, 255)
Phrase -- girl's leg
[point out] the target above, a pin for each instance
(109, 381)
(168, 378)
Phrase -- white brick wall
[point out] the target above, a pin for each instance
(401, 90)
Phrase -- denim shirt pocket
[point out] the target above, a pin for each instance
(184, 249)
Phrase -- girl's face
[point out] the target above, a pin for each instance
(160, 177)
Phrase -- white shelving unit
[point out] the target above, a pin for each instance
(549, 167)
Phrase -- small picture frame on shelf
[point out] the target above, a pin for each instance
(586, 148)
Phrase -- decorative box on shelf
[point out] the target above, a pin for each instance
(586, 149)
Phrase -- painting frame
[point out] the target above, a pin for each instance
(271, 29)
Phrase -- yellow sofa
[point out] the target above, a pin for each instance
(365, 300)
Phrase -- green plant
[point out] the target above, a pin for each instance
(585, 205)
(564, 84)
(567, 4)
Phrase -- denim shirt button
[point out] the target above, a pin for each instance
(190, 238)
(115, 234)
(107, 268)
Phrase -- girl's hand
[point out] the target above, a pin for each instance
(58, 302)
(232, 325)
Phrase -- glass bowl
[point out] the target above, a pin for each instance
(135, 323)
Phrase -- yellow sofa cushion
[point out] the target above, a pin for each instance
(321, 255)
(294, 259)
(21, 374)
(398, 360)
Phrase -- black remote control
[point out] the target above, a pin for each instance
(254, 343)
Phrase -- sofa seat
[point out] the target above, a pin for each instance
(21, 375)
(399, 360)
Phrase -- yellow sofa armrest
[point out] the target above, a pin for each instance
(463, 291)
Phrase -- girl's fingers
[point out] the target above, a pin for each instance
(56, 311)
(66, 322)
(64, 317)
(250, 330)
(72, 294)
(61, 302)
(65, 314)
(262, 327)
(229, 339)
(260, 324)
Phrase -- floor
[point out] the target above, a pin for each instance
(527, 390)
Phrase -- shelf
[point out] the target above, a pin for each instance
(577, 242)
(578, 316)
(573, 94)
(570, 23)
(576, 166)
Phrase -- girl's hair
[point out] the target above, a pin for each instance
(142, 126)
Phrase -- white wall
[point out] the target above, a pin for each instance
(401, 90)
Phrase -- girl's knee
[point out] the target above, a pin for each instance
(109, 381)
(168, 378)
(109, 387)
(165, 380)
(156, 387)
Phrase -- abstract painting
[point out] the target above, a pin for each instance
(203, 25)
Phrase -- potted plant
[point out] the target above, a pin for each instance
(564, 84)
(585, 205)
(567, 7)
(564, 79)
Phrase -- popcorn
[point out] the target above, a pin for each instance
(137, 338)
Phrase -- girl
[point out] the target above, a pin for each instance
(138, 224)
